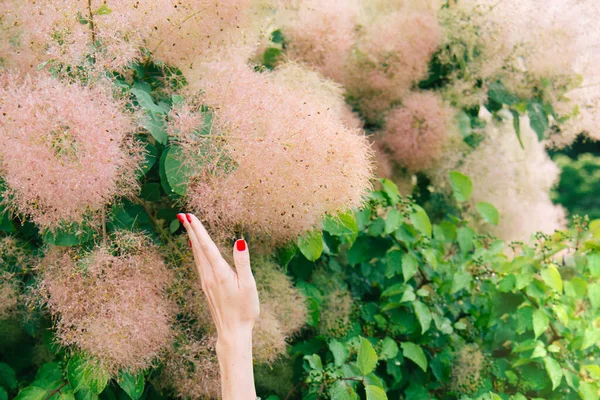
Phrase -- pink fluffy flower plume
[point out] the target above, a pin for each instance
(66, 149)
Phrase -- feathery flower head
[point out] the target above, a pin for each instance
(277, 291)
(392, 54)
(321, 34)
(417, 131)
(338, 303)
(65, 149)
(281, 159)
(191, 369)
(467, 370)
(111, 302)
(9, 295)
(516, 181)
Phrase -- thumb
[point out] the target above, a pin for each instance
(241, 259)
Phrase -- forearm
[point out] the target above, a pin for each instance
(235, 362)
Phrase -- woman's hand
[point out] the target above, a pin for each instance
(233, 302)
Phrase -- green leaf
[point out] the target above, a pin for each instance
(554, 371)
(32, 393)
(174, 172)
(465, 236)
(552, 278)
(460, 280)
(314, 361)
(393, 220)
(375, 393)
(423, 315)
(538, 120)
(72, 235)
(133, 385)
(488, 212)
(421, 221)
(314, 311)
(85, 394)
(410, 265)
(367, 357)
(8, 377)
(462, 186)
(414, 353)
(540, 322)
(393, 263)
(84, 373)
(146, 102)
(517, 126)
(3, 394)
(594, 295)
(391, 191)
(500, 94)
(156, 125)
(389, 349)
(588, 391)
(341, 225)
(103, 10)
(594, 264)
(311, 244)
(339, 351)
(342, 391)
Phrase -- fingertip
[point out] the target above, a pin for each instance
(240, 245)
(181, 218)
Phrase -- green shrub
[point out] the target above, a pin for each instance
(443, 312)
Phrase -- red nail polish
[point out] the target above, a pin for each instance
(189, 218)
(180, 218)
(240, 245)
(190, 242)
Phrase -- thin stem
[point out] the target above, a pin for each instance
(91, 19)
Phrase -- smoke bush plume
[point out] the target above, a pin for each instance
(108, 34)
(516, 181)
(191, 369)
(417, 131)
(66, 149)
(276, 161)
(111, 302)
(321, 34)
(391, 55)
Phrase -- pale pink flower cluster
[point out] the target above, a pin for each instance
(111, 302)
(516, 181)
(9, 295)
(65, 149)
(191, 369)
(108, 34)
(283, 311)
(417, 131)
(321, 34)
(391, 55)
(282, 159)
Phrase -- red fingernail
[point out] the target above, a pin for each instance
(240, 245)
(190, 242)
(180, 218)
(189, 217)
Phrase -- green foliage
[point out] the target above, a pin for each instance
(577, 190)
(445, 313)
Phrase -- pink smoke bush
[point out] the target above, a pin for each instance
(65, 149)
(392, 54)
(321, 34)
(108, 34)
(111, 302)
(516, 181)
(417, 131)
(191, 369)
(278, 160)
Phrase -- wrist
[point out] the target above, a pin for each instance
(236, 342)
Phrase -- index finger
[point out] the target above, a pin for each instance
(209, 248)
